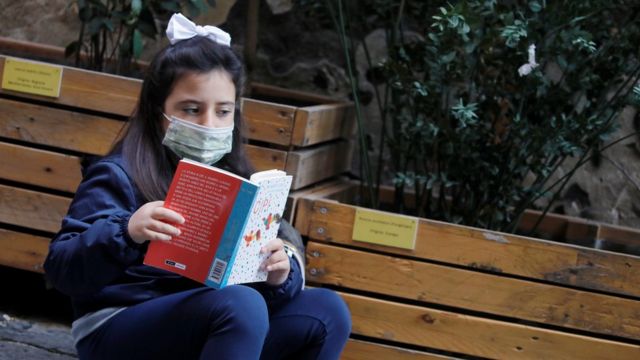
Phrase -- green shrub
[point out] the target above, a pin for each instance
(481, 101)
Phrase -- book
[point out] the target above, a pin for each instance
(227, 220)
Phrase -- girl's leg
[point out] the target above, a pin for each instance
(314, 325)
(230, 323)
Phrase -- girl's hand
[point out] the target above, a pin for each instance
(154, 222)
(277, 264)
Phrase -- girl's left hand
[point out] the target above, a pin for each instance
(277, 264)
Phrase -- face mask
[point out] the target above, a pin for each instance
(197, 142)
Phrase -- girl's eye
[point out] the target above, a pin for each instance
(191, 110)
(223, 112)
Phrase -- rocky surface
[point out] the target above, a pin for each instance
(34, 339)
(34, 320)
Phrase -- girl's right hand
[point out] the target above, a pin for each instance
(154, 222)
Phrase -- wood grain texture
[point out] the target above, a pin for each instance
(487, 293)
(359, 350)
(265, 159)
(320, 123)
(319, 163)
(58, 128)
(23, 251)
(39, 167)
(32, 209)
(474, 335)
(268, 121)
(92, 90)
(493, 251)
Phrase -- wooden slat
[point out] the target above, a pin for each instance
(264, 158)
(471, 290)
(38, 167)
(359, 350)
(493, 251)
(268, 121)
(619, 234)
(263, 90)
(265, 121)
(60, 128)
(92, 90)
(294, 196)
(32, 209)
(473, 335)
(304, 207)
(319, 163)
(558, 227)
(23, 251)
(320, 123)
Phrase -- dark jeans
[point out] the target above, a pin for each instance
(231, 323)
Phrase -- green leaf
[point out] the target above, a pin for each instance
(137, 44)
(199, 4)
(447, 58)
(136, 6)
(535, 6)
(193, 9)
(171, 6)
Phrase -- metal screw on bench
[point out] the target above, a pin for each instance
(323, 210)
(313, 271)
(316, 253)
(320, 230)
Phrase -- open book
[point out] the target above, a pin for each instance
(227, 220)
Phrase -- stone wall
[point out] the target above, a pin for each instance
(293, 53)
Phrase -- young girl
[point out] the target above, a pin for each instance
(126, 310)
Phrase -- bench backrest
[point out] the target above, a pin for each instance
(44, 139)
(470, 291)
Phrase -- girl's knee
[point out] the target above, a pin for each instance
(335, 309)
(244, 308)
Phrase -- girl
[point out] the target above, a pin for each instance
(126, 310)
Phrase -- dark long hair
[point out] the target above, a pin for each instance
(152, 164)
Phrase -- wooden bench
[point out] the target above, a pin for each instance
(467, 292)
(43, 141)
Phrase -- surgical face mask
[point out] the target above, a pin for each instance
(197, 142)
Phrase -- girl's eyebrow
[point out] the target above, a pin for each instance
(189, 101)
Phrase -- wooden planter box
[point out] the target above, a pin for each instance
(472, 292)
(43, 140)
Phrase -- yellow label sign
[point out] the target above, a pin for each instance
(32, 77)
(383, 228)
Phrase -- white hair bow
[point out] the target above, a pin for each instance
(180, 28)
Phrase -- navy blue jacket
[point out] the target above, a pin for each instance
(94, 261)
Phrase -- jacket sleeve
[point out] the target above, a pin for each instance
(276, 296)
(93, 246)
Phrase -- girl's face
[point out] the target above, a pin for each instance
(206, 99)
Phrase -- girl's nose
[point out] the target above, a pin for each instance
(210, 120)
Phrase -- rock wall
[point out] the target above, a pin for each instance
(292, 53)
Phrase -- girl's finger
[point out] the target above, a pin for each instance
(282, 265)
(156, 236)
(164, 228)
(275, 258)
(167, 215)
(272, 246)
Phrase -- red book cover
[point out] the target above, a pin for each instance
(205, 199)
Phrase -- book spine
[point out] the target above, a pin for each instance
(225, 255)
